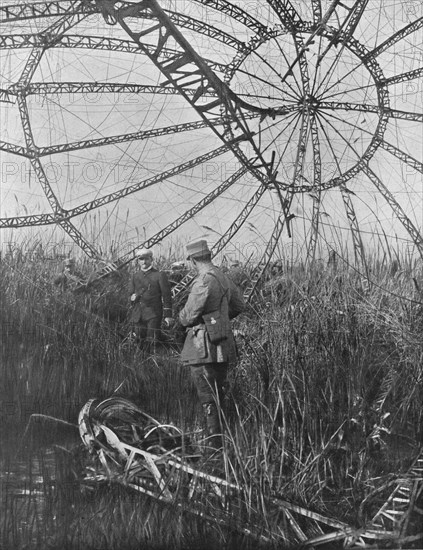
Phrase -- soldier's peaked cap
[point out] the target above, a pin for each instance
(143, 253)
(197, 249)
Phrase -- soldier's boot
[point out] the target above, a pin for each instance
(214, 429)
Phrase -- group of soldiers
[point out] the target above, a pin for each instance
(209, 346)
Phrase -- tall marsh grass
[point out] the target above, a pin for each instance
(323, 408)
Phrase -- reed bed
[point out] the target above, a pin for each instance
(324, 406)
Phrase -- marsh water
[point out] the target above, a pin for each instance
(37, 480)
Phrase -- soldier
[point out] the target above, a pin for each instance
(209, 345)
(238, 274)
(151, 300)
(177, 272)
(70, 277)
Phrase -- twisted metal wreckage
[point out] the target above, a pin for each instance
(127, 445)
(157, 460)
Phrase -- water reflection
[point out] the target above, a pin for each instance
(35, 475)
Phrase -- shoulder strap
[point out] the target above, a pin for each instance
(225, 290)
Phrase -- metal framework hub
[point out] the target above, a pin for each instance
(298, 84)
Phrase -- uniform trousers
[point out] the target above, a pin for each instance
(209, 380)
(149, 332)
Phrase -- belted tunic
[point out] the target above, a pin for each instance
(211, 291)
(153, 295)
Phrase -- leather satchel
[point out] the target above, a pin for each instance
(217, 326)
(195, 347)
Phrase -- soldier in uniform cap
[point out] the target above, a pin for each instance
(151, 300)
(209, 345)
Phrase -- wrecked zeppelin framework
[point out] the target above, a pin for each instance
(295, 95)
(131, 448)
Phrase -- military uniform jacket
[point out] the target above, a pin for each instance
(211, 291)
(153, 295)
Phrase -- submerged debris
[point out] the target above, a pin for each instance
(132, 448)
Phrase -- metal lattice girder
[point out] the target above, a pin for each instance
(50, 35)
(6, 96)
(131, 448)
(329, 12)
(188, 69)
(166, 231)
(111, 197)
(398, 211)
(30, 67)
(192, 77)
(415, 117)
(307, 111)
(224, 239)
(51, 197)
(392, 40)
(409, 75)
(315, 222)
(351, 215)
(77, 237)
(238, 222)
(46, 88)
(62, 214)
(53, 33)
(383, 104)
(89, 249)
(360, 51)
(286, 12)
(291, 20)
(66, 224)
(347, 27)
(408, 159)
(201, 27)
(159, 476)
(22, 11)
(183, 283)
(265, 259)
(29, 221)
(15, 149)
(18, 41)
(84, 9)
(356, 13)
(395, 513)
(186, 22)
(315, 219)
(392, 113)
(158, 237)
(383, 109)
(237, 13)
(190, 23)
(359, 254)
(39, 171)
(135, 136)
(189, 214)
(316, 6)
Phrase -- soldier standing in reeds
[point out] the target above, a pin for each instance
(69, 278)
(209, 345)
(151, 300)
